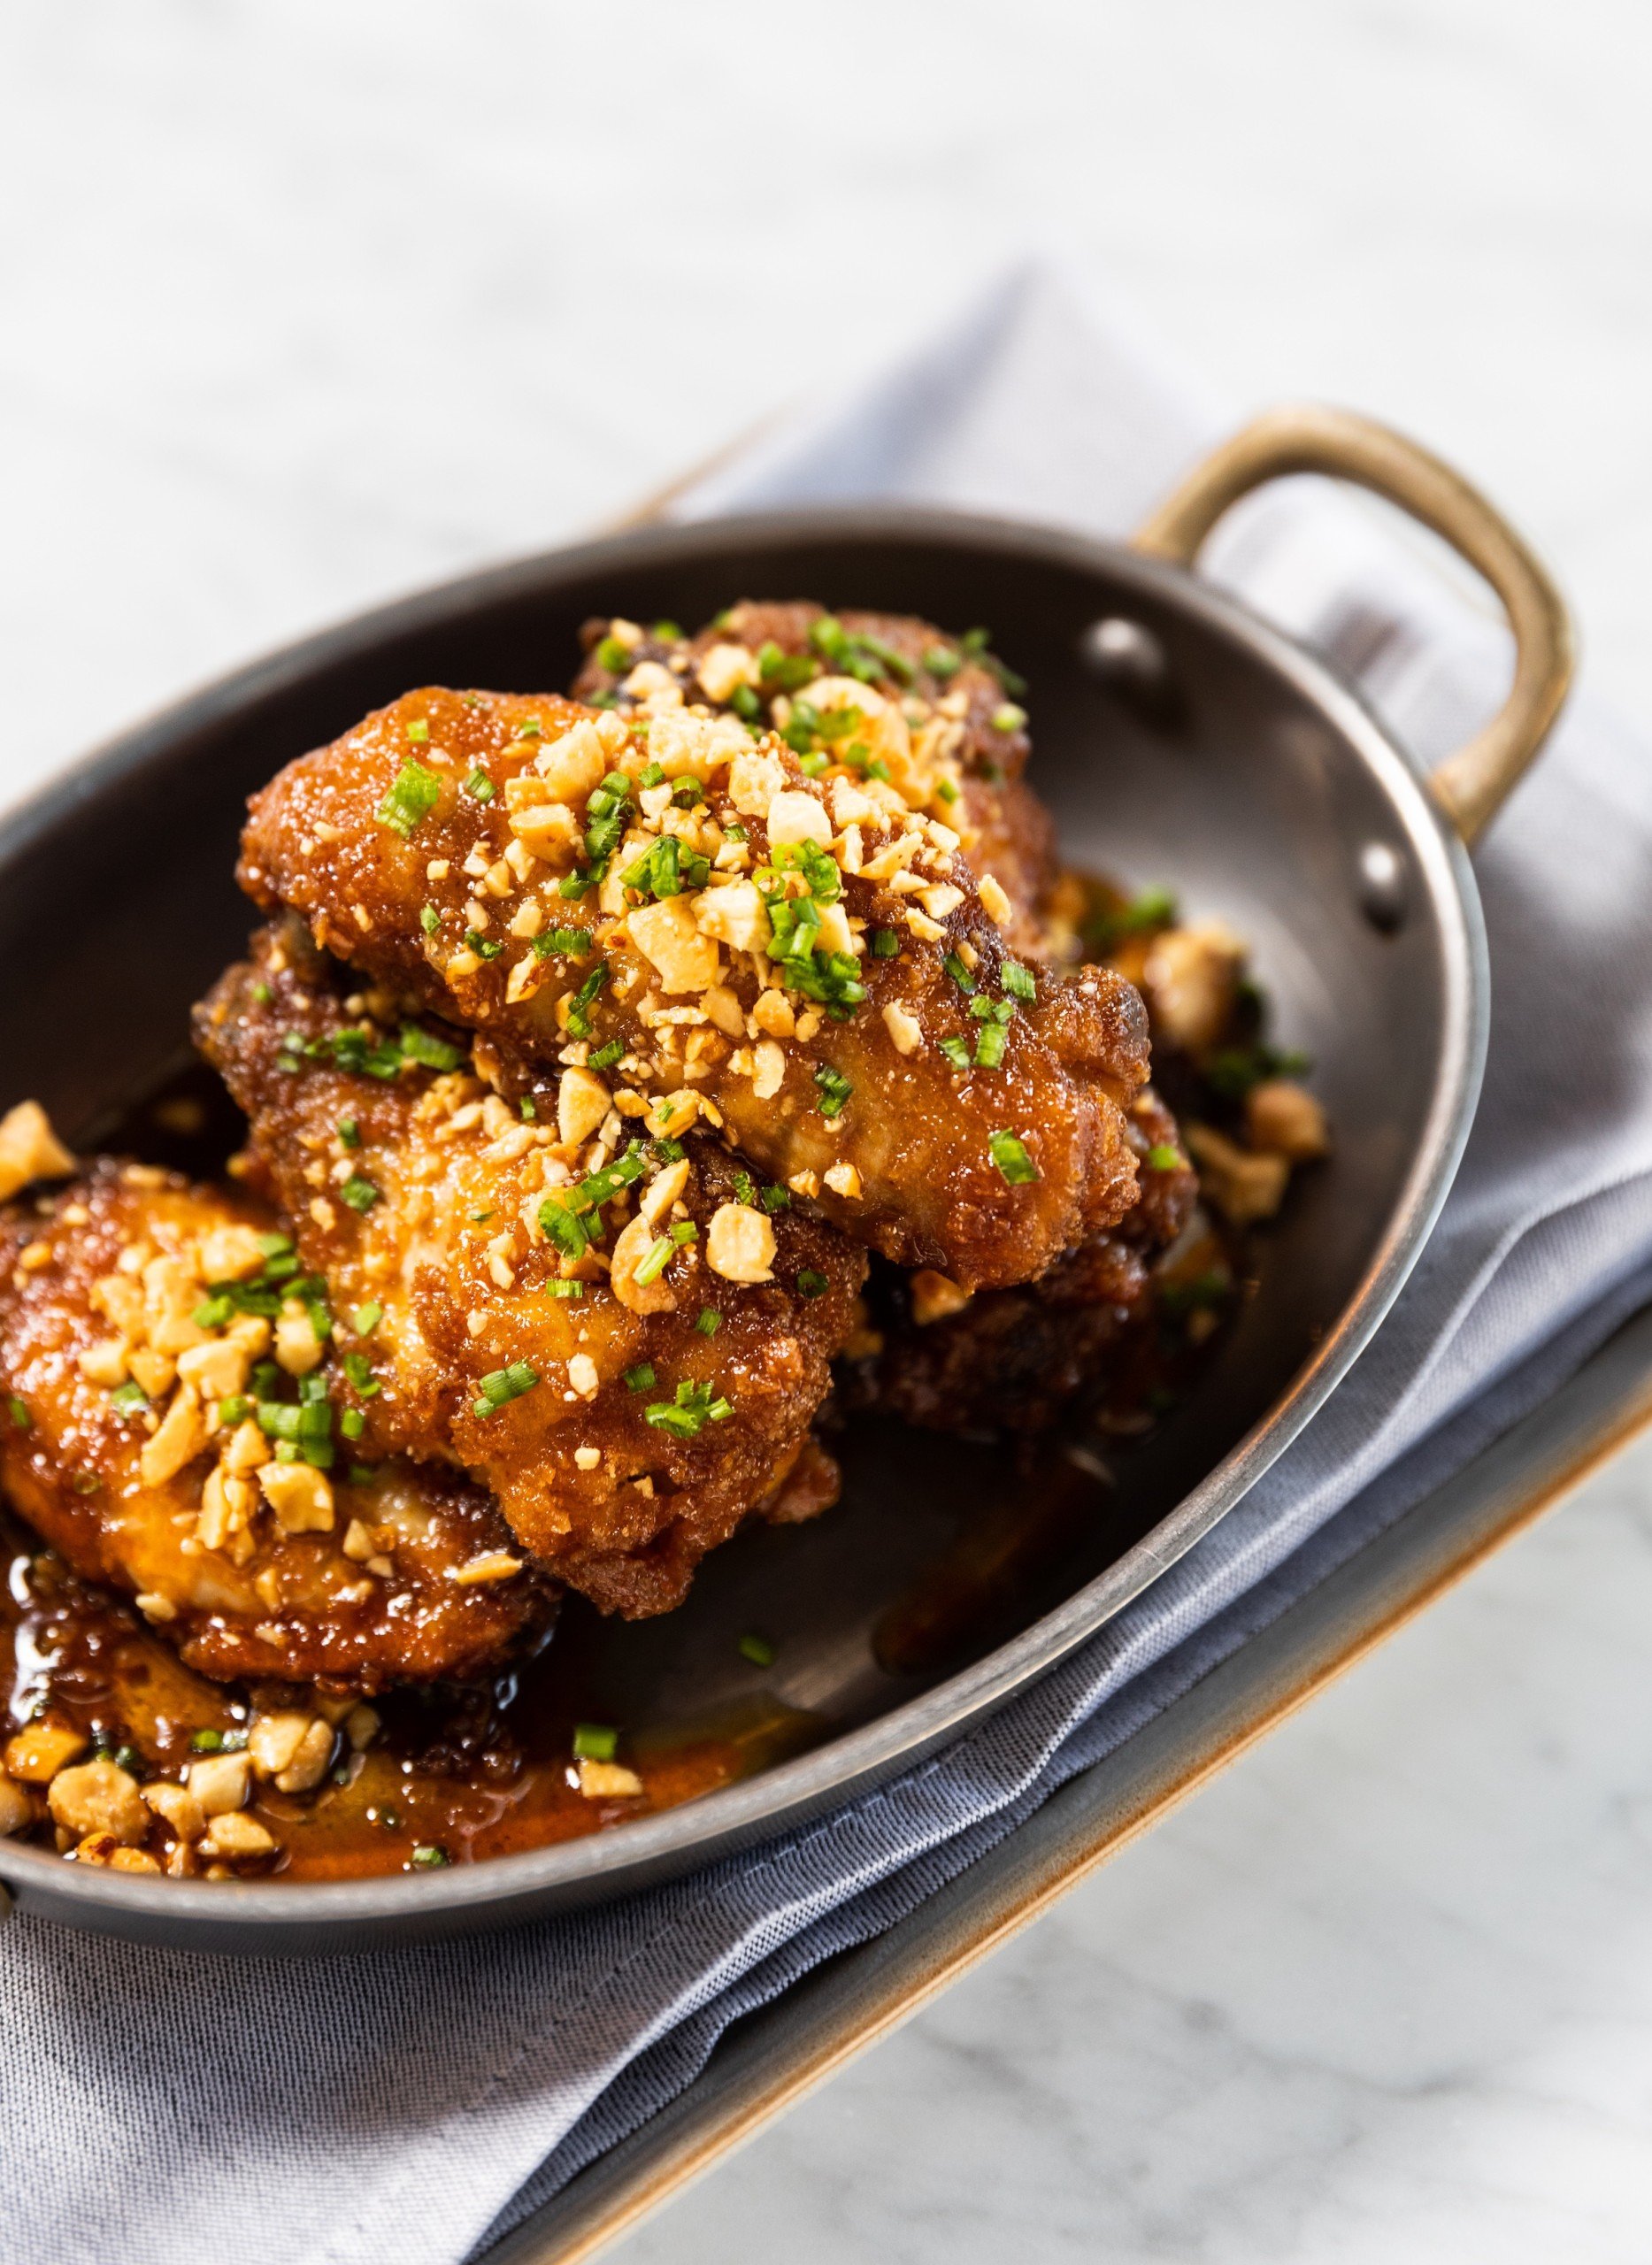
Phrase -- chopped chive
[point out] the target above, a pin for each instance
(501, 1385)
(886, 943)
(1008, 718)
(595, 1742)
(359, 1193)
(429, 919)
(613, 656)
(654, 1264)
(480, 945)
(18, 1413)
(527, 1109)
(640, 1378)
(757, 1649)
(691, 1409)
(709, 1322)
(533, 729)
(206, 1742)
(834, 1090)
(605, 1056)
(411, 799)
(812, 1285)
(429, 1052)
(1163, 1157)
(418, 730)
(234, 1410)
(352, 1423)
(561, 1289)
(430, 1856)
(358, 1373)
(959, 973)
(479, 786)
(128, 1399)
(956, 1052)
(942, 662)
(776, 1197)
(1009, 1154)
(363, 1474)
(263, 994)
(349, 1133)
(1019, 981)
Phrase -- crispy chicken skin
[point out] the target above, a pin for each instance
(853, 1023)
(640, 1432)
(1014, 1360)
(318, 1579)
(942, 686)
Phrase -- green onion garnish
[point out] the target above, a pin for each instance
(411, 799)
(1010, 1155)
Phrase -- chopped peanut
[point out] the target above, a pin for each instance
(236, 1834)
(99, 1797)
(607, 1781)
(582, 1101)
(905, 1031)
(1284, 1119)
(219, 1782)
(740, 1244)
(16, 1811)
(999, 908)
(935, 1296)
(37, 1754)
(571, 766)
(29, 1149)
(496, 1565)
(181, 1436)
(298, 1347)
(178, 1807)
(299, 1495)
(666, 934)
(1241, 1186)
(104, 1848)
(1192, 978)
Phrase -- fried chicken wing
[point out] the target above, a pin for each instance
(1013, 1360)
(131, 1345)
(800, 957)
(760, 659)
(612, 1333)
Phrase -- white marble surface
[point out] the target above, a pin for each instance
(306, 302)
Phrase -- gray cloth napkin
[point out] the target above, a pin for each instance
(411, 2107)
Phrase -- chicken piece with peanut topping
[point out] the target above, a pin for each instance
(802, 959)
(1015, 1360)
(934, 712)
(624, 1336)
(159, 1362)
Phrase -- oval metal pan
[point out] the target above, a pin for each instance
(1252, 780)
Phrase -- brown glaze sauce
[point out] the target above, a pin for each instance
(472, 1772)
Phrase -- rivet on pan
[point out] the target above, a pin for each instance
(1382, 887)
(1132, 663)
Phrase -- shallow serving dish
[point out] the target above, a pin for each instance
(1177, 738)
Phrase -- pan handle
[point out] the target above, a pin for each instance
(1471, 784)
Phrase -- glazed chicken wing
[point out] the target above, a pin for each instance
(1014, 1360)
(615, 1333)
(149, 1375)
(800, 957)
(760, 660)
(1007, 1359)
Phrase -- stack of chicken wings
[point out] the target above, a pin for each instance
(627, 1075)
